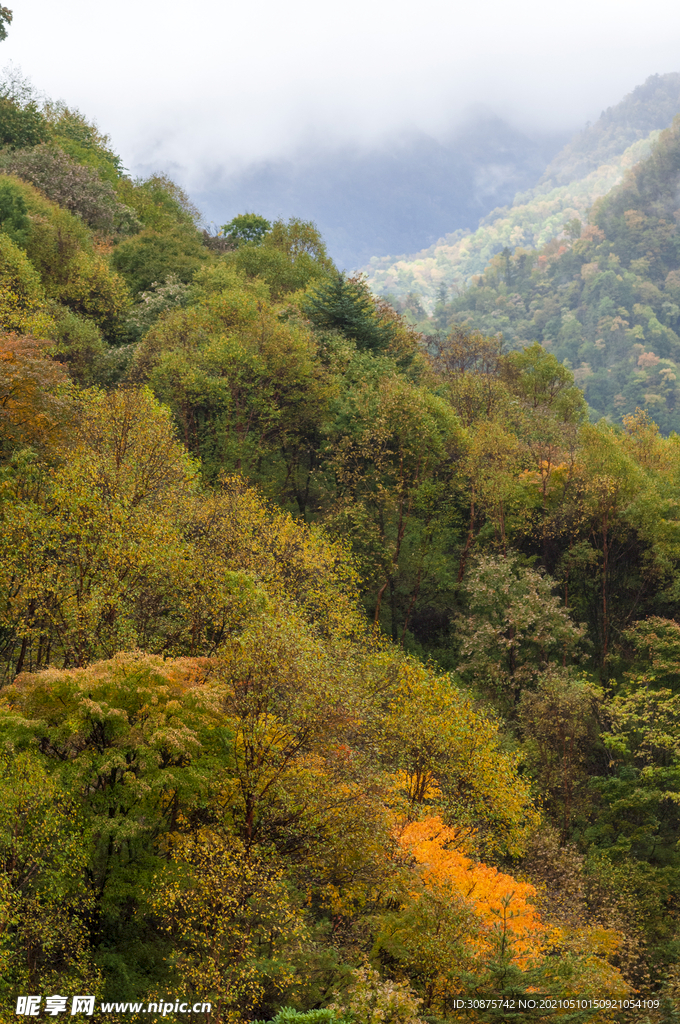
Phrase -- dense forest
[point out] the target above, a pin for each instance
(418, 283)
(339, 664)
(602, 295)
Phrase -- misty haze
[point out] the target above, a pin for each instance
(396, 199)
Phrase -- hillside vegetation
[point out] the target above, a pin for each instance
(338, 667)
(445, 268)
(606, 299)
(588, 167)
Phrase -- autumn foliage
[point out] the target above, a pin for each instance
(498, 900)
(338, 668)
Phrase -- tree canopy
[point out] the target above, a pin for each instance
(338, 662)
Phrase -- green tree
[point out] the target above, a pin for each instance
(639, 817)
(245, 385)
(91, 551)
(445, 753)
(288, 257)
(560, 724)
(515, 627)
(610, 482)
(246, 227)
(393, 451)
(45, 906)
(297, 238)
(234, 926)
(5, 20)
(344, 304)
(13, 213)
(151, 256)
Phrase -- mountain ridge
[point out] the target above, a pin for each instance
(605, 300)
(592, 163)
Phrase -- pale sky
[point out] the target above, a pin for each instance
(212, 86)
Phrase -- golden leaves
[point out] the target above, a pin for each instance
(497, 899)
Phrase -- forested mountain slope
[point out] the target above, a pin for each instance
(338, 667)
(605, 299)
(650, 107)
(588, 167)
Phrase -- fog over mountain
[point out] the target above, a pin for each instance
(394, 199)
(407, 194)
(593, 162)
(389, 126)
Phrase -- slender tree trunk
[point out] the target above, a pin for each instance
(379, 602)
(22, 656)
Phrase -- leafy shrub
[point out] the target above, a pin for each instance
(287, 1015)
(21, 126)
(288, 256)
(55, 237)
(151, 257)
(22, 120)
(159, 203)
(82, 140)
(281, 273)
(91, 289)
(370, 1000)
(22, 299)
(78, 189)
(247, 227)
(63, 260)
(13, 212)
(80, 346)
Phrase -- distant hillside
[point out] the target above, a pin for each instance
(607, 303)
(451, 263)
(588, 167)
(650, 106)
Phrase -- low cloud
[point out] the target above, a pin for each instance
(209, 89)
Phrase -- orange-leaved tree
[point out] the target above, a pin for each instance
(460, 927)
(494, 897)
